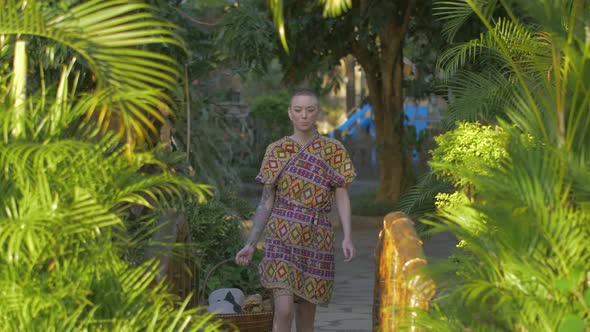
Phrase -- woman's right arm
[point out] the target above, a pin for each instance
(261, 216)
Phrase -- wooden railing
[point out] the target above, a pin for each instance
(400, 285)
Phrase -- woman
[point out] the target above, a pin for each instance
(302, 175)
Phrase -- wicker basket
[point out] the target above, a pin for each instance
(243, 322)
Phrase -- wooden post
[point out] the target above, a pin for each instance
(399, 283)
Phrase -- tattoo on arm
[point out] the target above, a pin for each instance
(261, 215)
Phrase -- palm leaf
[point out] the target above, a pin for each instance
(525, 233)
(525, 48)
(420, 198)
(111, 38)
(479, 96)
(535, 241)
(456, 13)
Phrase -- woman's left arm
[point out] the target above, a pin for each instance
(343, 205)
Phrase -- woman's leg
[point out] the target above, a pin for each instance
(284, 313)
(305, 315)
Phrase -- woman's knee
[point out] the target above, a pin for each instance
(284, 308)
(305, 309)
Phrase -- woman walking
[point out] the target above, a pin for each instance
(302, 175)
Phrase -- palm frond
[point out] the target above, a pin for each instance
(420, 198)
(276, 6)
(479, 96)
(525, 230)
(456, 13)
(524, 48)
(75, 239)
(519, 230)
(111, 38)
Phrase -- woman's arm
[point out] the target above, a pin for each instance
(262, 214)
(263, 211)
(343, 205)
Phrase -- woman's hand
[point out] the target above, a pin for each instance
(348, 250)
(244, 256)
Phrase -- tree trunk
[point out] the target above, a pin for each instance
(392, 157)
(386, 95)
(382, 60)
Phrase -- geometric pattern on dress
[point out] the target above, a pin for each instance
(282, 274)
(276, 156)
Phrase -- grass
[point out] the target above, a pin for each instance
(363, 204)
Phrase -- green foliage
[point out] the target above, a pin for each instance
(421, 198)
(63, 236)
(66, 185)
(214, 231)
(472, 148)
(248, 41)
(272, 109)
(363, 204)
(217, 235)
(479, 97)
(248, 36)
(483, 73)
(456, 14)
(516, 231)
(446, 200)
(271, 122)
(218, 141)
(524, 262)
(105, 35)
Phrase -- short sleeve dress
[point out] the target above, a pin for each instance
(299, 246)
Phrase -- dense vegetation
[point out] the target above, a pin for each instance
(86, 88)
(520, 206)
(79, 118)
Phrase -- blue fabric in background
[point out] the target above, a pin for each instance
(362, 119)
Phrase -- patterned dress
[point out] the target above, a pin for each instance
(299, 246)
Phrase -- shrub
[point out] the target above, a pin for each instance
(472, 147)
(217, 236)
(271, 122)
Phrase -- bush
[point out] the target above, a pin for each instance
(271, 122)
(217, 236)
(472, 147)
(363, 204)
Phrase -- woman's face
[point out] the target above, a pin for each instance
(304, 112)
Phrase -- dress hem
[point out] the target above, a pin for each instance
(280, 285)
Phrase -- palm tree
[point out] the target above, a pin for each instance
(66, 182)
(524, 264)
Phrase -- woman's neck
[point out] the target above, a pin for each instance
(303, 137)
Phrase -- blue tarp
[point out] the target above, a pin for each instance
(416, 116)
(362, 118)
